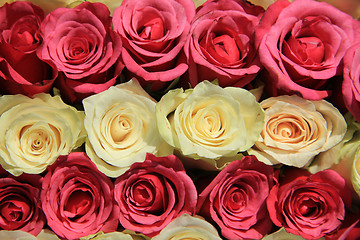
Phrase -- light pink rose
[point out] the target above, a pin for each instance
(21, 71)
(80, 42)
(77, 199)
(154, 33)
(20, 205)
(351, 83)
(236, 199)
(221, 44)
(301, 46)
(312, 206)
(152, 193)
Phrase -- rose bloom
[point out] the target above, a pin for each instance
(209, 122)
(188, 227)
(153, 34)
(35, 131)
(121, 127)
(108, 236)
(301, 45)
(312, 206)
(221, 44)
(296, 130)
(45, 234)
(351, 83)
(152, 193)
(80, 42)
(21, 71)
(20, 205)
(235, 199)
(77, 199)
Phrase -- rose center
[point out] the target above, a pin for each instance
(78, 203)
(153, 29)
(308, 208)
(120, 128)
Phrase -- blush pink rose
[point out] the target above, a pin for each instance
(21, 71)
(20, 208)
(77, 199)
(236, 199)
(154, 33)
(221, 44)
(80, 42)
(312, 206)
(152, 193)
(351, 82)
(302, 44)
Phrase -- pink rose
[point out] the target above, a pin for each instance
(152, 193)
(351, 83)
(153, 34)
(302, 44)
(312, 206)
(20, 208)
(221, 43)
(77, 199)
(236, 199)
(21, 71)
(80, 42)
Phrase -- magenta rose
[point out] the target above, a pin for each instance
(21, 71)
(77, 199)
(80, 42)
(221, 44)
(351, 82)
(152, 193)
(302, 44)
(236, 199)
(20, 208)
(312, 206)
(154, 33)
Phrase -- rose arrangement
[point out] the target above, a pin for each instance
(179, 119)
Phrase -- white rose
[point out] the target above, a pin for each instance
(209, 122)
(36, 131)
(121, 127)
(296, 130)
(188, 227)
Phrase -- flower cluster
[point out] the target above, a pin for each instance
(164, 119)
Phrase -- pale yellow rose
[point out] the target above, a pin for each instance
(209, 122)
(49, 5)
(355, 173)
(296, 130)
(20, 235)
(121, 127)
(282, 234)
(108, 236)
(188, 227)
(35, 131)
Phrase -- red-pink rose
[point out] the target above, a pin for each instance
(154, 33)
(351, 83)
(80, 42)
(77, 199)
(312, 206)
(20, 208)
(221, 44)
(21, 71)
(152, 193)
(302, 44)
(236, 199)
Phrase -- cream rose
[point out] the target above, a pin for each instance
(209, 122)
(108, 236)
(121, 127)
(36, 131)
(45, 234)
(188, 227)
(296, 130)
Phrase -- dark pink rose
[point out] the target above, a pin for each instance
(80, 42)
(221, 44)
(351, 83)
(21, 71)
(236, 199)
(77, 199)
(152, 193)
(312, 206)
(20, 207)
(302, 45)
(154, 33)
